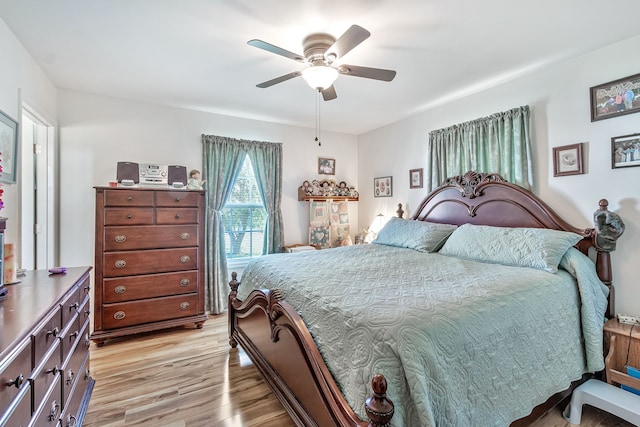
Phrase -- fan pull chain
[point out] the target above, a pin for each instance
(318, 119)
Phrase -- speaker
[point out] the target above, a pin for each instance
(177, 174)
(128, 170)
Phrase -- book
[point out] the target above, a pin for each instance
(635, 373)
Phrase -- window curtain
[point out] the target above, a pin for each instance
(500, 143)
(223, 158)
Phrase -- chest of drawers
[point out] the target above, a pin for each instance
(149, 260)
(44, 350)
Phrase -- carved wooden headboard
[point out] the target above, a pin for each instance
(488, 199)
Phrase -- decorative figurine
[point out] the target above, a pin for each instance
(194, 180)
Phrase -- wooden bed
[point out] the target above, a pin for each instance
(276, 339)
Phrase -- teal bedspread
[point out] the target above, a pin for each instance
(461, 343)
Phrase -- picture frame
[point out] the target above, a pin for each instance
(326, 166)
(625, 151)
(415, 178)
(615, 98)
(567, 160)
(8, 148)
(383, 186)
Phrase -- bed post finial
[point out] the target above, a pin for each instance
(379, 409)
(400, 212)
(609, 227)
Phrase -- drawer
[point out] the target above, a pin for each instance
(45, 376)
(19, 414)
(48, 413)
(177, 198)
(149, 286)
(84, 289)
(83, 313)
(15, 373)
(73, 365)
(128, 216)
(70, 306)
(46, 335)
(69, 338)
(150, 237)
(72, 403)
(176, 215)
(128, 198)
(155, 261)
(152, 310)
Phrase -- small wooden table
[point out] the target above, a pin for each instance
(617, 337)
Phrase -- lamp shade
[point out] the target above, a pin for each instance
(320, 76)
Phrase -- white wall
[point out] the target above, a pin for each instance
(22, 81)
(96, 132)
(559, 98)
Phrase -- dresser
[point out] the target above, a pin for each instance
(44, 350)
(149, 260)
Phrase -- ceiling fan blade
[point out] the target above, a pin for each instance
(329, 93)
(350, 39)
(279, 79)
(369, 73)
(275, 49)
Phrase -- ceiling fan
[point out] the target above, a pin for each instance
(320, 52)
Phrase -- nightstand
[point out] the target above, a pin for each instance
(616, 336)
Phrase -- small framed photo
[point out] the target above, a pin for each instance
(326, 166)
(383, 186)
(8, 148)
(625, 151)
(415, 178)
(567, 160)
(615, 98)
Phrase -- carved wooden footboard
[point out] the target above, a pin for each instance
(276, 339)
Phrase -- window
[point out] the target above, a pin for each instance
(244, 216)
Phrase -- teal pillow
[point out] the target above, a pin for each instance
(539, 248)
(418, 235)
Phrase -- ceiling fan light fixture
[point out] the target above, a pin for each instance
(320, 76)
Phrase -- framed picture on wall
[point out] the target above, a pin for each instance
(383, 186)
(8, 148)
(625, 151)
(567, 160)
(615, 98)
(415, 178)
(326, 166)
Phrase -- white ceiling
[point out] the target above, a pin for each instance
(194, 53)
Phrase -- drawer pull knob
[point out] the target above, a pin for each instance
(87, 373)
(118, 315)
(177, 216)
(184, 282)
(184, 306)
(17, 382)
(120, 263)
(70, 376)
(55, 331)
(129, 216)
(87, 289)
(177, 199)
(185, 259)
(185, 236)
(53, 371)
(53, 412)
(74, 306)
(73, 334)
(120, 289)
(120, 239)
(71, 421)
(129, 198)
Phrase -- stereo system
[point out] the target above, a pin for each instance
(151, 174)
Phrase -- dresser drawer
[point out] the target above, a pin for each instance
(144, 311)
(150, 237)
(14, 374)
(46, 335)
(69, 339)
(128, 216)
(176, 215)
(19, 414)
(128, 198)
(72, 403)
(46, 375)
(153, 261)
(72, 367)
(177, 198)
(48, 413)
(70, 306)
(149, 286)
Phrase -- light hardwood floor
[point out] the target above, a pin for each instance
(191, 377)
